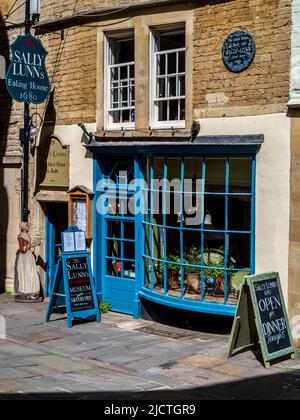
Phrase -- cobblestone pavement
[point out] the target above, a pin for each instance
(121, 358)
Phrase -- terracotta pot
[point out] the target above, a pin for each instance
(194, 282)
(219, 286)
(174, 279)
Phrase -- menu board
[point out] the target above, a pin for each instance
(68, 242)
(271, 315)
(79, 284)
(80, 214)
(262, 319)
(74, 241)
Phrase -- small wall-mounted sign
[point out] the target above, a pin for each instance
(27, 78)
(239, 51)
(54, 172)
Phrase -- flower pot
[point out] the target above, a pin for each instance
(219, 286)
(193, 280)
(174, 280)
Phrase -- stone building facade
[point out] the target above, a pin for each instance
(262, 100)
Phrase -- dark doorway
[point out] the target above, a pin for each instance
(56, 223)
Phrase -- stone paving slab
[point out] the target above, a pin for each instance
(122, 358)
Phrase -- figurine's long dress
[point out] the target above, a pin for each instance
(27, 277)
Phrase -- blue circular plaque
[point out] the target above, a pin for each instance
(239, 51)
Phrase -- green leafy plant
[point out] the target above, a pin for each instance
(105, 307)
(192, 257)
(176, 268)
(213, 272)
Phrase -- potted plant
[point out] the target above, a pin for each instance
(214, 277)
(192, 257)
(173, 270)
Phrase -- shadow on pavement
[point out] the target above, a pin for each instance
(284, 386)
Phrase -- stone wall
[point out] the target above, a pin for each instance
(264, 87)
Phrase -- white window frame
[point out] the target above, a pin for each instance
(155, 123)
(108, 109)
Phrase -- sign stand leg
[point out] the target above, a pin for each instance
(235, 329)
(55, 285)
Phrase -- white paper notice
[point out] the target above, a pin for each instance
(80, 242)
(81, 215)
(69, 242)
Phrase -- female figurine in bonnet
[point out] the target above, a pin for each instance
(27, 281)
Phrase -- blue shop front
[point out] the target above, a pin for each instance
(174, 222)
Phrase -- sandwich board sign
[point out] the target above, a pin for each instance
(27, 78)
(262, 319)
(74, 288)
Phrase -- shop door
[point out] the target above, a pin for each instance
(119, 280)
(56, 223)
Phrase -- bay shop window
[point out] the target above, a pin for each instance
(194, 242)
(204, 261)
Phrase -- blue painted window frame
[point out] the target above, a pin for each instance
(202, 306)
(142, 291)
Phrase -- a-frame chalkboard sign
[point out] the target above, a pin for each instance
(262, 319)
(73, 287)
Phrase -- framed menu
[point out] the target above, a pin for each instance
(68, 242)
(73, 240)
(80, 241)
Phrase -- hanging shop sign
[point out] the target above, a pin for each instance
(27, 78)
(262, 319)
(239, 51)
(74, 287)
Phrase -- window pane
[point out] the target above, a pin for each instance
(129, 270)
(116, 117)
(215, 175)
(161, 88)
(114, 74)
(214, 244)
(158, 167)
(171, 39)
(147, 268)
(114, 268)
(181, 87)
(182, 110)
(172, 86)
(172, 63)
(174, 110)
(162, 111)
(124, 96)
(240, 175)
(125, 117)
(122, 50)
(239, 213)
(129, 250)
(129, 231)
(192, 247)
(114, 249)
(123, 73)
(173, 245)
(161, 65)
(239, 251)
(114, 229)
(181, 62)
(214, 211)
